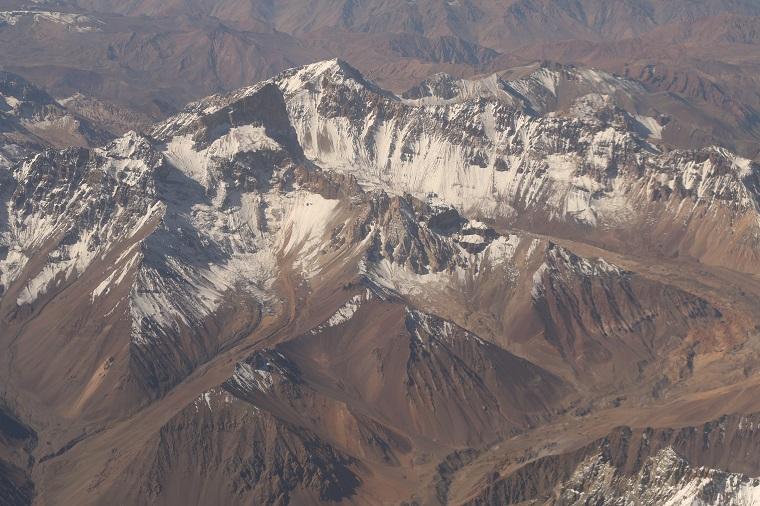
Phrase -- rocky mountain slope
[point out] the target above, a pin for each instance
(312, 290)
(31, 120)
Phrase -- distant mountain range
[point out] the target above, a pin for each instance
(153, 57)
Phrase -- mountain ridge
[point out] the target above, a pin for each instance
(276, 262)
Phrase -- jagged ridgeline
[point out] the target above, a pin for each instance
(489, 291)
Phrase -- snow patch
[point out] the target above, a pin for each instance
(345, 312)
(253, 379)
(308, 217)
(651, 125)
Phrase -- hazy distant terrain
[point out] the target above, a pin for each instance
(155, 56)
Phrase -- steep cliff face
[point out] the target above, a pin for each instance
(551, 151)
(17, 442)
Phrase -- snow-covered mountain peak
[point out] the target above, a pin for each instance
(131, 144)
(492, 149)
(561, 142)
(312, 77)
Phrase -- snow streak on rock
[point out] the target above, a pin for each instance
(665, 479)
